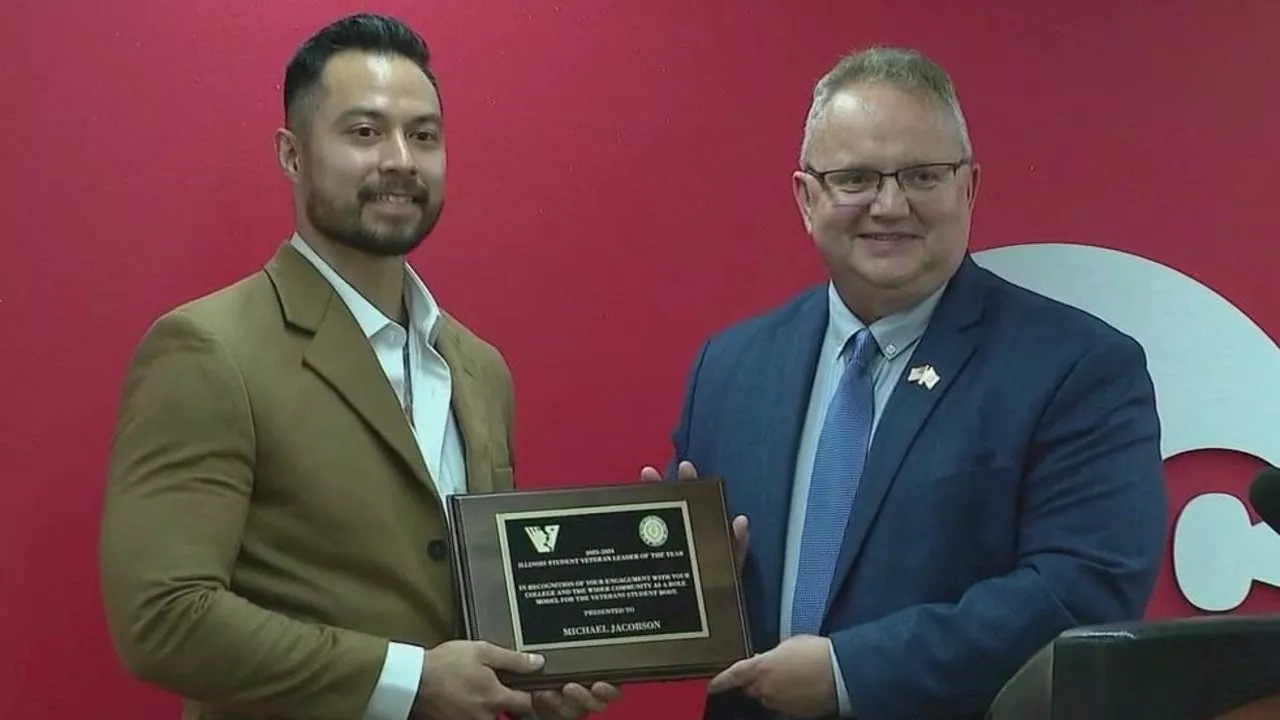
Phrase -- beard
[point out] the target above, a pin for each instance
(345, 223)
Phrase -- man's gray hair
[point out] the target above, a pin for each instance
(902, 68)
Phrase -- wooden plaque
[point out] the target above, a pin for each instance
(619, 583)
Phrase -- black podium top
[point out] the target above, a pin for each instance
(1189, 669)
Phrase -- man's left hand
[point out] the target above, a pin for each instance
(573, 701)
(794, 678)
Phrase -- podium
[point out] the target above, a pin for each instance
(1208, 668)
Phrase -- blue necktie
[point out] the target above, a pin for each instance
(837, 468)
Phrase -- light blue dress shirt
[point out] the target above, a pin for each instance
(897, 336)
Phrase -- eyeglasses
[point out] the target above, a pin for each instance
(858, 186)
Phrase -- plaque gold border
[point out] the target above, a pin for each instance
(517, 622)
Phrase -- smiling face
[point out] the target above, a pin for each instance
(368, 162)
(888, 249)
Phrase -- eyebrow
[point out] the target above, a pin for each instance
(358, 112)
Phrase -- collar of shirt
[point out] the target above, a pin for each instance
(893, 333)
(424, 313)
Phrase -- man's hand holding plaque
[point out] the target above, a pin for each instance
(459, 683)
(686, 471)
(573, 701)
(781, 679)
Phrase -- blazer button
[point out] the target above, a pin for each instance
(437, 549)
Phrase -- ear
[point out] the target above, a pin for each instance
(802, 189)
(288, 153)
(975, 173)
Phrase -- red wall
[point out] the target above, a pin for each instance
(618, 187)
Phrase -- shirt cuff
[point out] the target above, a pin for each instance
(842, 692)
(397, 687)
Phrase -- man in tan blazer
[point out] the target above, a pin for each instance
(274, 540)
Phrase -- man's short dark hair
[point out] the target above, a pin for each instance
(364, 31)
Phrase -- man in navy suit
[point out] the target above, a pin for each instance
(942, 471)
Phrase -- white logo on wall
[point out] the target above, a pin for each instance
(1217, 381)
(543, 537)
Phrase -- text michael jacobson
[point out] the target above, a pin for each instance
(613, 628)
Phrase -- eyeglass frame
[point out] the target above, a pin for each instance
(821, 177)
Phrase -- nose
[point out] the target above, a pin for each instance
(890, 200)
(397, 156)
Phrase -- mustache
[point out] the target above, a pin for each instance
(410, 188)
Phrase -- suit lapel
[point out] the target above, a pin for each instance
(468, 409)
(789, 356)
(341, 355)
(946, 346)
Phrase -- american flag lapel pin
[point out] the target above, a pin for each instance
(924, 376)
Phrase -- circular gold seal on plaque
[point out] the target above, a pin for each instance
(653, 531)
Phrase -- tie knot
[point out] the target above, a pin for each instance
(861, 348)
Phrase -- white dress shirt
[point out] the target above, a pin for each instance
(422, 381)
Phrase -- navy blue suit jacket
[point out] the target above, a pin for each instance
(1021, 496)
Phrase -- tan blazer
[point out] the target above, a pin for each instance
(269, 523)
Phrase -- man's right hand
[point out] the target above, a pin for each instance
(459, 683)
(686, 471)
